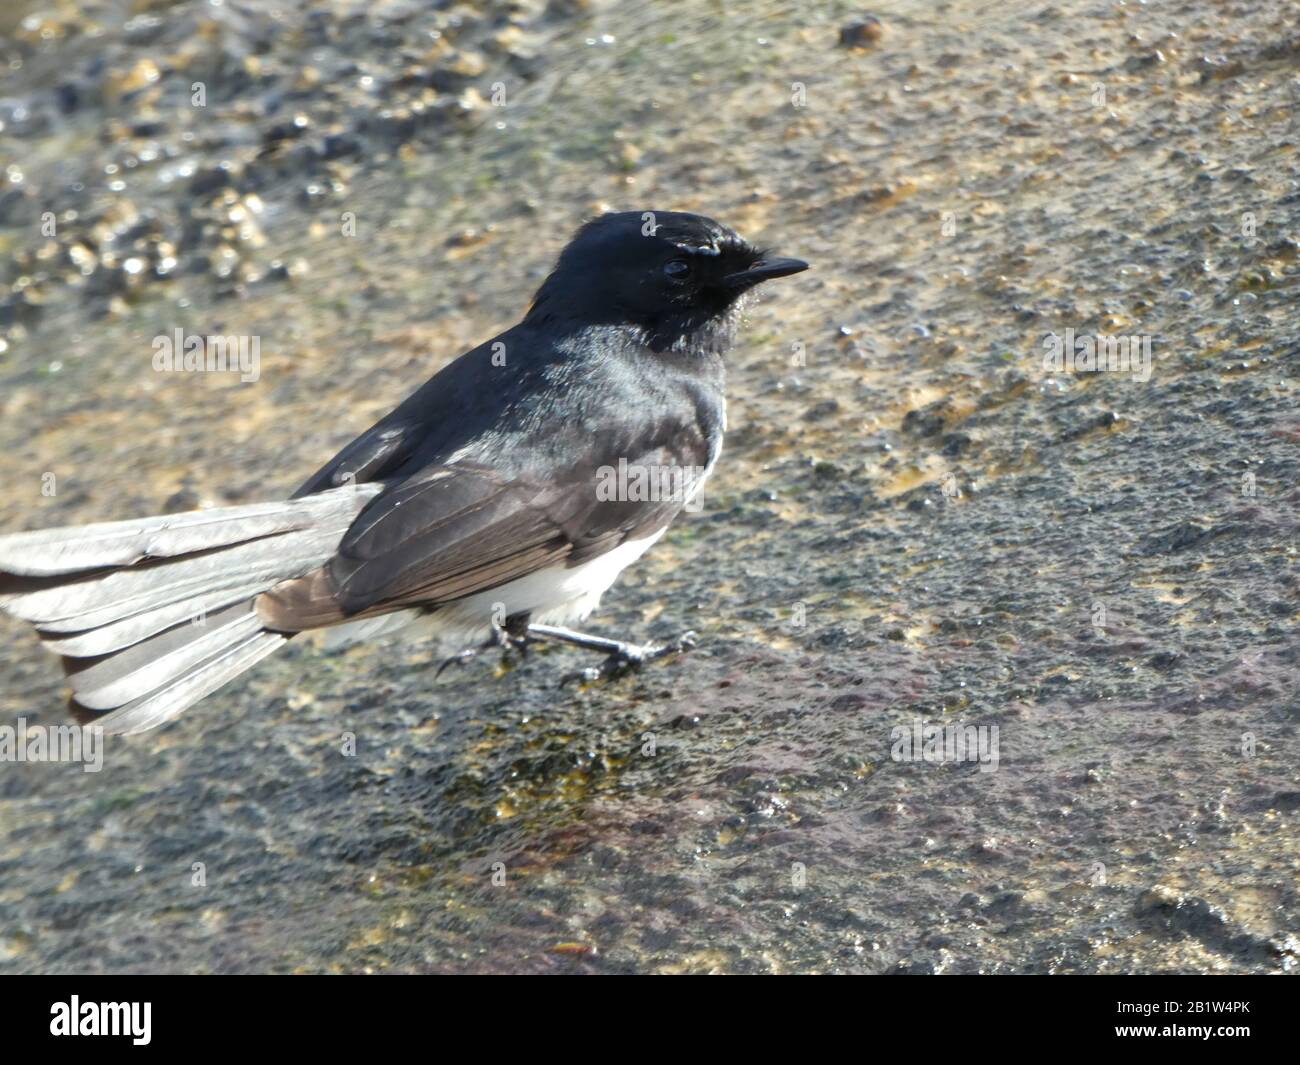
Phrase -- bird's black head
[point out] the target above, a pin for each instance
(670, 274)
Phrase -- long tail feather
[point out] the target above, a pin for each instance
(152, 615)
(77, 548)
(166, 703)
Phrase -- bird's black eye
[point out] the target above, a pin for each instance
(677, 268)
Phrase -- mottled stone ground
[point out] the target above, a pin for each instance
(914, 520)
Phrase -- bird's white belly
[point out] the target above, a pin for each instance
(555, 595)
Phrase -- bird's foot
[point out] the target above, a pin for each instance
(628, 658)
(509, 639)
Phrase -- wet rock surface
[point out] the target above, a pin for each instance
(917, 520)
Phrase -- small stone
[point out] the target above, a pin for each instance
(181, 501)
(863, 33)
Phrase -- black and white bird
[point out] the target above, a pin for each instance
(482, 501)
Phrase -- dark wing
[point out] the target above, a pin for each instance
(454, 530)
(369, 457)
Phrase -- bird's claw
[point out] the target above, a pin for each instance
(629, 658)
(462, 658)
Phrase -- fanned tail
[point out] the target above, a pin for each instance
(150, 616)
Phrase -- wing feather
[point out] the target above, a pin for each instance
(453, 530)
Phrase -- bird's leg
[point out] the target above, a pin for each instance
(510, 638)
(513, 635)
(623, 658)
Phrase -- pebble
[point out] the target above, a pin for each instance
(863, 33)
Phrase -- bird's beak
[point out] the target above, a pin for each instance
(764, 270)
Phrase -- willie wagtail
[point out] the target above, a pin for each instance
(487, 499)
